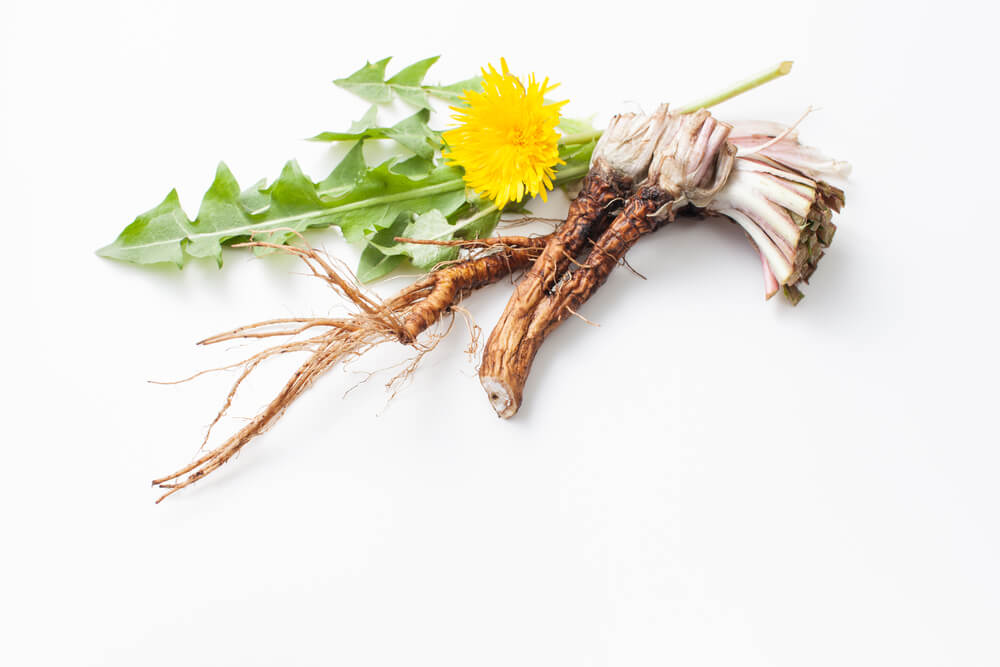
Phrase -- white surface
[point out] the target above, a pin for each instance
(706, 479)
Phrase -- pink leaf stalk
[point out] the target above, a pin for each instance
(774, 194)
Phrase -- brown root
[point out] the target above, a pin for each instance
(504, 384)
(585, 220)
(330, 341)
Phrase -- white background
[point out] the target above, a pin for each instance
(706, 479)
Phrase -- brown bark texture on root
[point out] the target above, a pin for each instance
(402, 319)
(585, 221)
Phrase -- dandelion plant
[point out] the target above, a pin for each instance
(435, 204)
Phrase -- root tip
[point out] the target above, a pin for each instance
(500, 397)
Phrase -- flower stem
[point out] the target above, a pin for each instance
(781, 69)
(769, 74)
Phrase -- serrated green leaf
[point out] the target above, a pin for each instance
(363, 201)
(407, 83)
(294, 203)
(220, 210)
(154, 236)
(164, 234)
(368, 83)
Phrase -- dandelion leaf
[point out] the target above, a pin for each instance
(369, 83)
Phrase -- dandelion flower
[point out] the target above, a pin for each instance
(507, 140)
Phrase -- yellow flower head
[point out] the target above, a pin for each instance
(507, 140)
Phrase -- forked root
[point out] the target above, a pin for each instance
(402, 319)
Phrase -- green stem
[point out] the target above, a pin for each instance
(781, 69)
